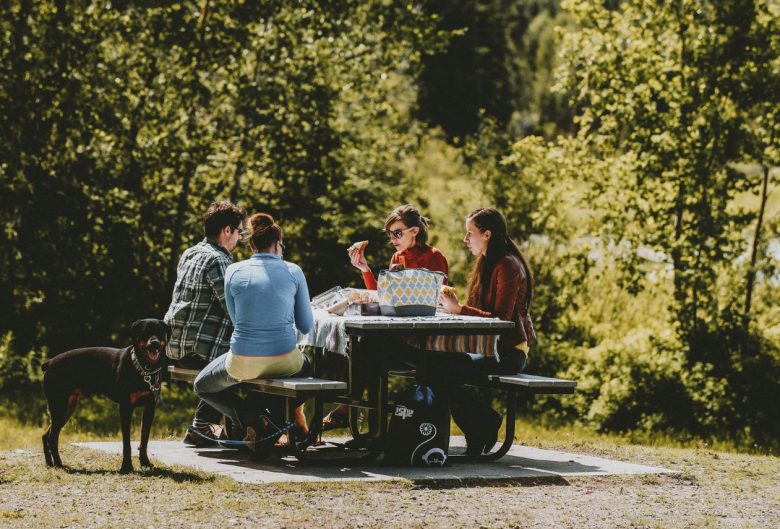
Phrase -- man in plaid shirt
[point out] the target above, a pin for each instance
(198, 317)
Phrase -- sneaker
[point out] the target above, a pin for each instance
(206, 438)
(258, 451)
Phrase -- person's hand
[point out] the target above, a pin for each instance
(358, 260)
(450, 302)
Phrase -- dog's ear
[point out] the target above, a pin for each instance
(135, 330)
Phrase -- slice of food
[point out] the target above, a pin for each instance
(360, 246)
(447, 291)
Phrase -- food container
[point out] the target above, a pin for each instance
(369, 309)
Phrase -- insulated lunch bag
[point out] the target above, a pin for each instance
(409, 291)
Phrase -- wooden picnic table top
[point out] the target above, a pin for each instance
(430, 323)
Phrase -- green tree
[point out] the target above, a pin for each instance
(683, 93)
(500, 62)
(122, 121)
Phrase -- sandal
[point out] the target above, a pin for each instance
(335, 419)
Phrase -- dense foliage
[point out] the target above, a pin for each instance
(638, 177)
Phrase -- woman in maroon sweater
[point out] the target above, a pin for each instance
(407, 230)
(500, 286)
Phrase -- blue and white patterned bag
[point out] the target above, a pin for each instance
(409, 291)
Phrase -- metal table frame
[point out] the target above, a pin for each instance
(355, 329)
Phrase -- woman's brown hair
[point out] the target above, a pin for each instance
(411, 217)
(499, 245)
(263, 231)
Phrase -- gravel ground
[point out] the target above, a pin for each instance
(712, 490)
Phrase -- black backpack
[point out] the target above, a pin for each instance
(419, 432)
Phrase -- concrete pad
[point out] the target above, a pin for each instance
(522, 462)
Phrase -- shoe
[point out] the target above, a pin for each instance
(335, 419)
(204, 439)
(482, 441)
(249, 438)
(363, 442)
(259, 450)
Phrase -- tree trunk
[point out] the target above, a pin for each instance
(751, 273)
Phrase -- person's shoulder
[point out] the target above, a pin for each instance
(233, 267)
(293, 268)
(511, 262)
(215, 254)
(437, 252)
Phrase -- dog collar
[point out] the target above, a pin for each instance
(150, 376)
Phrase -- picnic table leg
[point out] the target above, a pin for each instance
(315, 424)
(509, 437)
(352, 414)
(381, 405)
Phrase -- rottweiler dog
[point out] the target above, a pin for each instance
(129, 376)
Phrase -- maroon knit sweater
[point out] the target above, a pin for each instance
(505, 298)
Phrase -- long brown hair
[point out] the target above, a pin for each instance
(499, 245)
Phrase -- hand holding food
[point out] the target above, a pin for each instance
(360, 246)
(356, 256)
(449, 299)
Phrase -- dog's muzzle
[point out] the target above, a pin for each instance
(153, 349)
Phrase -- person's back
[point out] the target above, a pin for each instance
(197, 315)
(267, 298)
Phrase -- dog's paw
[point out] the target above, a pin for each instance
(127, 468)
(145, 463)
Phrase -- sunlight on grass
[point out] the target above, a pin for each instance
(25, 436)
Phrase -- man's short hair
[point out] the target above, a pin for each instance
(220, 214)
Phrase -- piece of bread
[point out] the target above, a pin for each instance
(448, 291)
(360, 246)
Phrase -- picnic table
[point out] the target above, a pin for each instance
(342, 335)
(443, 332)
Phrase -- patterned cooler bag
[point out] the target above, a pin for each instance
(409, 291)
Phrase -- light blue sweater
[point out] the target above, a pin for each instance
(266, 298)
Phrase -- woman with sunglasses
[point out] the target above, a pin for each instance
(407, 230)
(500, 286)
(408, 233)
(267, 298)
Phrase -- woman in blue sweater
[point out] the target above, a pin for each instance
(267, 299)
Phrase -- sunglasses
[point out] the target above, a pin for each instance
(396, 234)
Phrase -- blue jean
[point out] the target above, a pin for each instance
(216, 387)
(452, 370)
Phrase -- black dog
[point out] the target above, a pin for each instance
(129, 376)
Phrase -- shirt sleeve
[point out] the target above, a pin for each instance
(230, 302)
(507, 293)
(304, 318)
(215, 275)
(369, 280)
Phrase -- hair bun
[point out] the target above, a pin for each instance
(263, 221)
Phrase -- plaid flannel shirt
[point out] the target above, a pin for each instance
(198, 315)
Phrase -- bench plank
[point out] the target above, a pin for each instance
(294, 384)
(533, 381)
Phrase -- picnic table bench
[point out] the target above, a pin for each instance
(512, 385)
(290, 388)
